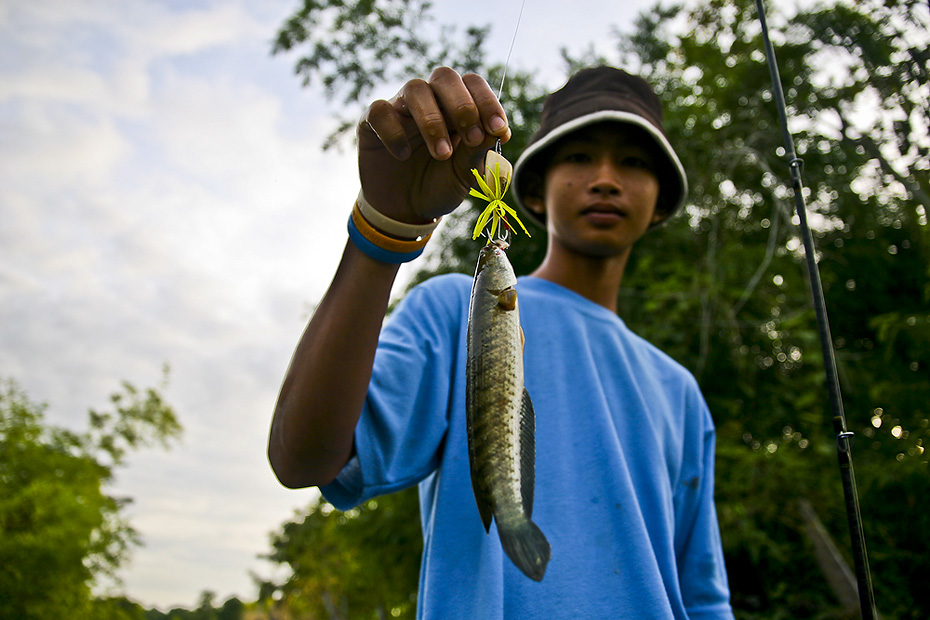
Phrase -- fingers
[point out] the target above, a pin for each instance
(443, 112)
(382, 120)
(423, 105)
(493, 117)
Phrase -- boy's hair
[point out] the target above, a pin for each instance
(601, 95)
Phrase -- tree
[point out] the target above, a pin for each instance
(744, 324)
(356, 44)
(723, 289)
(60, 532)
(232, 609)
(363, 563)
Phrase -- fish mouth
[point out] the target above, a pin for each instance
(490, 251)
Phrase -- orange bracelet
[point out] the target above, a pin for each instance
(383, 241)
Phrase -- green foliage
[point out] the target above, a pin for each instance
(355, 45)
(231, 609)
(723, 287)
(115, 608)
(743, 322)
(363, 563)
(60, 532)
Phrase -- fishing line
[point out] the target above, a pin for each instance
(513, 40)
(510, 53)
(843, 436)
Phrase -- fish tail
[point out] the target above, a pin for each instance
(527, 547)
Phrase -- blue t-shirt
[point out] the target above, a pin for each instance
(624, 464)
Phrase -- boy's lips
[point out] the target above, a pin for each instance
(603, 212)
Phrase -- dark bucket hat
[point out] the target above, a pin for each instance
(597, 95)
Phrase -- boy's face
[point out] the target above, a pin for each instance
(600, 190)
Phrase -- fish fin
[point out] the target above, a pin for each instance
(484, 509)
(507, 299)
(482, 499)
(527, 453)
(481, 496)
(527, 548)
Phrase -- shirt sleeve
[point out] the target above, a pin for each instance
(405, 417)
(698, 547)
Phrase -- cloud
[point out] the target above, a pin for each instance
(160, 203)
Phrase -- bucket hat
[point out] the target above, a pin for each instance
(598, 95)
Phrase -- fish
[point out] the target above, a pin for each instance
(501, 422)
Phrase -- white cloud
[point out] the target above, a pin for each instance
(156, 206)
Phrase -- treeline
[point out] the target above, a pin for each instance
(61, 531)
(122, 608)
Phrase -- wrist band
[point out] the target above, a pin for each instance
(380, 247)
(382, 240)
(392, 226)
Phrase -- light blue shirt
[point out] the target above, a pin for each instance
(624, 464)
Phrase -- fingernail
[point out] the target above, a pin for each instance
(475, 135)
(443, 148)
(496, 123)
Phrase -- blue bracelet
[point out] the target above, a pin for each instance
(370, 250)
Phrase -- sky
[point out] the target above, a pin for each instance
(164, 199)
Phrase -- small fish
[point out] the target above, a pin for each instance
(500, 416)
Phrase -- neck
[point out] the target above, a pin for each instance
(595, 278)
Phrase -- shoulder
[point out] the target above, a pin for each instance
(556, 313)
(434, 305)
(445, 290)
(667, 368)
(445, 282)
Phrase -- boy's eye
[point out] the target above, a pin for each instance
(635, 161)
(577, 157)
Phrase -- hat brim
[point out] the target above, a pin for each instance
(675, 173)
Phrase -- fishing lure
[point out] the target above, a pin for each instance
(497, 174)
(492, 188)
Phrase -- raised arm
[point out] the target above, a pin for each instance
(415, 156)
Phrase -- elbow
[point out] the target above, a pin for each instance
(286, 469)
(305, 452)
(286, 476)
(295, 472)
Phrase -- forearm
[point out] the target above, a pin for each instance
(325, 386)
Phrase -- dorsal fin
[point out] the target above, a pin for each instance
(527, 453)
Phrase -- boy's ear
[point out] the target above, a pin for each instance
(659, 216)
(535, 204)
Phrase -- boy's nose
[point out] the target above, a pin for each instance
(605, 180)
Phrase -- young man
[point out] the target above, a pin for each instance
(624, 441)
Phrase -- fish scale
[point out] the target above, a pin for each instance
(500, 417)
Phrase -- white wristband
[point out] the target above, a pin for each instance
(393, 227)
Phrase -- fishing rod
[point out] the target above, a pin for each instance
(844, 438)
